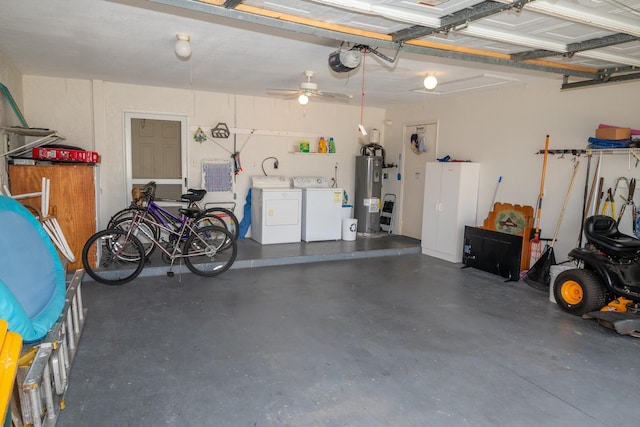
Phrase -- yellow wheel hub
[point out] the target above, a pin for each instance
(572, 292)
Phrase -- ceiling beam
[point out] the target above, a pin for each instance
(611, 40)
(340, 33)
(599, 81)
(457, 19)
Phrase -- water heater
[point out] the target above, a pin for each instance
(368, 192)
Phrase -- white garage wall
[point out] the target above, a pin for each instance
(12, 79)
(502, 129)
(90, 115)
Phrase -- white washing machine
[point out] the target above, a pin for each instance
(276, 210)
(321, 209)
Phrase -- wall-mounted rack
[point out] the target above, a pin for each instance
(579, 151)
(44, 136)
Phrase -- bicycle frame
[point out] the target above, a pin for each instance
(180, 232)
(144, 199)
(165, 217)
(197, 245)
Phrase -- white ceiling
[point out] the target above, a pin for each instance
(242, 49)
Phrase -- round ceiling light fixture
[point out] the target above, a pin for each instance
(183, 46)
(303, 99)
(430, 82)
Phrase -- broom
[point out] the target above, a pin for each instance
(539, 275)
(535, 244)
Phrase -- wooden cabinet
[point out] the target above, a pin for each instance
(72, 198)
(501, 245)
(450, 203)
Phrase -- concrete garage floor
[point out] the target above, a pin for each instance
(404, 340)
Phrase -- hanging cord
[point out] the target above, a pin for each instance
(364, 56)
(276, 163)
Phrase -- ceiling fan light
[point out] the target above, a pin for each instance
(303, 99)
(183, 46)
(430, 82)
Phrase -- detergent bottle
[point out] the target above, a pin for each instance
(332, 145)
(322, 145)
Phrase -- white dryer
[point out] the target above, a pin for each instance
(276, 210)
(321, 209)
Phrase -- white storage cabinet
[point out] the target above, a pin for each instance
(450, 203)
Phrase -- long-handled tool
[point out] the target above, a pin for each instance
(629, 202)
(584, 200)
(535, 244)
(495, 193)
(609, 207)
(539, 275)
(586, 212)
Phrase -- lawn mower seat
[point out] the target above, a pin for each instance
(602, 231)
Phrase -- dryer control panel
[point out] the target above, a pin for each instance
(310, 182)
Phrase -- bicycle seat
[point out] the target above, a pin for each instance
(190, 212)
(194, 195)
(602, 231)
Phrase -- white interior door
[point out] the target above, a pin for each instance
(156, 151)
(418, 147)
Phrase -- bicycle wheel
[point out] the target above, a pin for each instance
(147, 233)
(112, 257)
(129, 213)
(210, 251)
(208, 220)
(211, 219)
(229, 218)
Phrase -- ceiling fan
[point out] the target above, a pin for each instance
(307, 90)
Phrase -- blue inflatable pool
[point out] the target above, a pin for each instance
(32, 279)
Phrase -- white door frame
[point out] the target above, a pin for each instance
(405, 138)
(127, 116)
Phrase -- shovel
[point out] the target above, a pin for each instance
(539, 275)
(535, 244)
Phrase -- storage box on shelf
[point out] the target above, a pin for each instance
(613, 133)
(67, 155)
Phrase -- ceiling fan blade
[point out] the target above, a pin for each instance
(283, 92)
(338, 96)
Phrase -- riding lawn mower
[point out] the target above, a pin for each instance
(606, 281)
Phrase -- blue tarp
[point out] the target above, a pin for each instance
(596, 143)
(246, 218)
